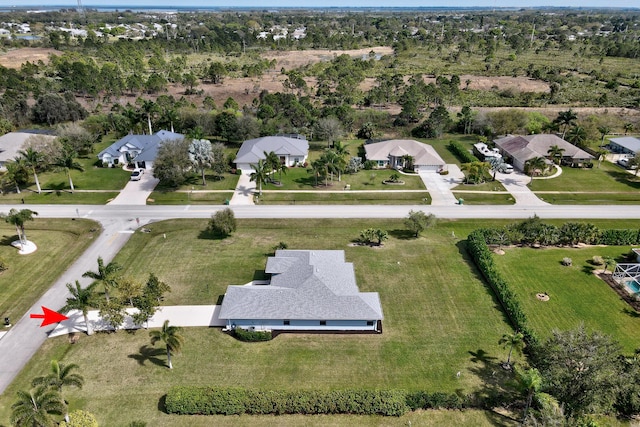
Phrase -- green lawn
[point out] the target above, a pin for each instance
(345, 198)
(438, 318)
(226, 181)
(569, 198)
(577, 296)
(298, 178)
(607, 178)
(59, 197)
(484, 198)
(59, 242)
(189, 198)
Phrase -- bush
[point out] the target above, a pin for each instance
(597, 260)
(461, 152)
(80, 418)
(223, 222)
(233, 401)
(252, 336)
(369, 164)
(3, 265)
(615, 237)
(566, 261)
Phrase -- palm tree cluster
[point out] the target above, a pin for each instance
(38, 406)
(329, 163)
(476, 172)
(18, 218)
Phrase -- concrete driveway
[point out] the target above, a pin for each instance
(137, 192)
(439, 186)
(516, 184)
(243, 194)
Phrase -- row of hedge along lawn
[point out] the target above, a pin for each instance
(439, 319)
(60, 242)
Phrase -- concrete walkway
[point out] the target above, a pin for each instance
(439, 186)
(179, 315)
(136, 192)
(516, 184)
(243, 194)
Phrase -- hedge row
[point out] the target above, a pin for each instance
(461, 152)
(619, 237)
(423, 400)
(191, 400)
(477, 247)
(252, 336)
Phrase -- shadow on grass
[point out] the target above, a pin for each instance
(494, 389)
(150, 354)
(207, 234)
(402, 234)
(500, 420)
(162, 404)
(631, 313)
(220, 299)
(588, 269)
(625, 178)
(260, 275)
(7, 240)
(307, 181)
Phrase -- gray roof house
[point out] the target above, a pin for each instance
(13, 142)
(309, 290)
(390, 153)
(519, 149)
(626, 145)
(138, 149)
(292, 150)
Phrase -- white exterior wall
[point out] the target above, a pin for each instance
(303, 325)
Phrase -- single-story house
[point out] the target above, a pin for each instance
(13, 142)
(309, 290)
(518, 149)
(625, 145)
(141, 150)
(392, 153)
(291, 149)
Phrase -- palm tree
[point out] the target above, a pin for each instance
(601, 154)
(36, 407)
(282, 168)
(628, 127)
(32, 159)
(18, 218)
(529, 382)
(60, 376)
(407, 161)
(170, 337)
(555, 154)
(259, 174)
(476, 171)
(81, 299)
(515, 342)
(535, 164)
(577, 135)
(608, 262)
(272, 162)
(604, 131)
(340, 149)
(67, 161)
(107, 275)
(16, 172)
(149, 107)
(566, 119)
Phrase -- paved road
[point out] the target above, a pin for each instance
(25, 337)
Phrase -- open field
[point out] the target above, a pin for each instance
(59, 241)
(16, 57)
(438, 317)
(577, 295)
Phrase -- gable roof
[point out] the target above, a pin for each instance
(527, 147)
(305, 285)
(253, 150)
(147, 145)
(629, 142)
(423, 154)
(13, 142)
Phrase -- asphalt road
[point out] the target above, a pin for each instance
(25, 337)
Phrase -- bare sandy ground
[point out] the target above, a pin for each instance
(16, 57)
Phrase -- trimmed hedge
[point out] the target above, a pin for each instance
(438, 400)
(252, 336)
(461, 152)
(479, 251)
(616, 237)
(192, 400)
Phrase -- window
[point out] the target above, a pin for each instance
(323, 323)
(369, 322)
(286, 322)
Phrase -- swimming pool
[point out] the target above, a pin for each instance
(632, 286)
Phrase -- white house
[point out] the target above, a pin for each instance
(393, 153)
(309, 290)
(291, 149)
(141, 150)
(625, 145)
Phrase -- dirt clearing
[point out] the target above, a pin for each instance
(15, 58)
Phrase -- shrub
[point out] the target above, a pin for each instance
(80, 418)
(252, 336)
(616, 237)
(223, 222)
(369, 164)
(566, 261)
(597, 260)
(3, 265)
(461, 152)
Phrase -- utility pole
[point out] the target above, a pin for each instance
(80, 9)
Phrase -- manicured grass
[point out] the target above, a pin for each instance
(484, 198)
(299, 178)
(226, 181)
(608, 177)
(630, 198)
(59, 197)
(345, 198)
(577, 296)
(59, 242)
(440, 145)
(438, 317)
(189, 198)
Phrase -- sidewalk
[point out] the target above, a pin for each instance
(178, 315)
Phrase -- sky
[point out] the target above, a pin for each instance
(272, 4)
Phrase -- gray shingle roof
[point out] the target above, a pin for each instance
(527, 147)
(305, 285)
(13, 142)
(423, 154)
(628, 142)
(147, 144)
(253, 150)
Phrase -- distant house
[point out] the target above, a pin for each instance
(141, 150)
(519, 149)
(625, 145)
(13, 142)
(291, 149)
(392, 153)
(309, 290)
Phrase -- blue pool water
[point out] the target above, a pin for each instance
(633, 286)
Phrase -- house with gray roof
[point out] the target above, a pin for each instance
(141, 150)
(308, 290)
(519, 149)
(291, 149)
(393, 153)
(13, 142)
(625, 145)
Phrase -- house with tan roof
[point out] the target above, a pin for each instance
(291, 149)
(393, 154)
(519, 149)
(308, 290)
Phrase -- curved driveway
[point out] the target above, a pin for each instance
(120, 220)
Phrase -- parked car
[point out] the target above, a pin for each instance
(624, 162)
(136, 175)
(505, 168)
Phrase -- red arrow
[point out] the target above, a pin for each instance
(49, 316)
